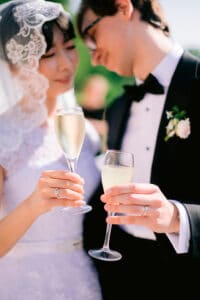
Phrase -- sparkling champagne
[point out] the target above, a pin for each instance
(116, 175)
(70, 130)
(117, 170)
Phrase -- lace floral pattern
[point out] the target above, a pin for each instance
(29, 53)
(29, 86)
(35, 13)
(39, 149)
(17, 130)
(29, 44)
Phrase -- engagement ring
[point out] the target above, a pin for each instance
(145, 210)
(57, 192)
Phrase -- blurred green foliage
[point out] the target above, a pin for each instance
(196, 52)
(63, 2)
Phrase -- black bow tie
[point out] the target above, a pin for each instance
(137, 92)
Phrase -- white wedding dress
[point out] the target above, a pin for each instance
(48, 263)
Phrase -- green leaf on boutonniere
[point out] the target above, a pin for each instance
(178, 124)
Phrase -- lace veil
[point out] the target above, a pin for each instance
(22, 88)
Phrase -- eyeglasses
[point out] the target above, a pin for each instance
(89, 41)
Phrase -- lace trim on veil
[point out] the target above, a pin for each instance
(24, 50)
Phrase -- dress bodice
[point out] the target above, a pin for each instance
(42, 152)
(49, 242)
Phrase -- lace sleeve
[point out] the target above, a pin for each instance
(14, 126)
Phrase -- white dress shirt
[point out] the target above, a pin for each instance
(140, 139)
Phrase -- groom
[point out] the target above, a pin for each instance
(159, 122)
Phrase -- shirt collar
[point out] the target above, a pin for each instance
(165, 69)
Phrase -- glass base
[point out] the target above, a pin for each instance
(105, 254)
(77, 210)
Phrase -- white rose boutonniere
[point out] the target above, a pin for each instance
(178, 124)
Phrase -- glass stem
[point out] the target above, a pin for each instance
(107, 235)
(71, 164)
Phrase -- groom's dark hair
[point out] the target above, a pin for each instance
(150, 11)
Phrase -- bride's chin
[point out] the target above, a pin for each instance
(62, 90)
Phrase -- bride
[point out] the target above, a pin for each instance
(40, 246)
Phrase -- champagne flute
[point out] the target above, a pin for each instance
(70, 131)
(117, 170)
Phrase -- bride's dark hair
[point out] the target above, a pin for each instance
(47, 30)
(8, 27)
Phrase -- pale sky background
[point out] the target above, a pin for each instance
(183, 17)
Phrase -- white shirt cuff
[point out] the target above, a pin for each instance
(180, 241)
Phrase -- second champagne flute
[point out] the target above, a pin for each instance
(117, 170)
(70, 131)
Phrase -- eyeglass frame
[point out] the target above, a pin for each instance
(90, 43)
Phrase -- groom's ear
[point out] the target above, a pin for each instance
(125, 7)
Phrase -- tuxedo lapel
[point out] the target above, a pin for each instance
(120, 111)
(117, 119)
(178, 94)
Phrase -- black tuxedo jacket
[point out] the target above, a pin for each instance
(175, 167)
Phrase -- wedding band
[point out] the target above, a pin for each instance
(57, 192)
(145, 210)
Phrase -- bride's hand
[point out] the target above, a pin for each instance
(57, 188)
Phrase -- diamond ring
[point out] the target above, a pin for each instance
(145, 210)
(57, 192)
